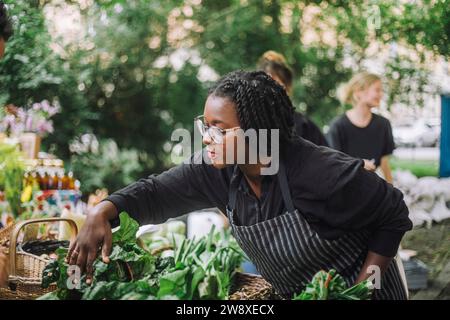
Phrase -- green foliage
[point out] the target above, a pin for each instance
(121, 80)
(128, 262)
(201, 269)
(127, 231)
(26, 72)
(31, 72)
(12, 170)
(426, 23)
(129, 94)
(332, 286)
(236, 36)
(107, 166)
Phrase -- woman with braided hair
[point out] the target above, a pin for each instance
(320, 210)
(275, 65)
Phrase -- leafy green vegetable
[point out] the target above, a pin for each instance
(199, 269)
(50, 274)
(196, 274)
(125, 273)
(127, 231)
(332, 286)
(174, 283)
(361, 291)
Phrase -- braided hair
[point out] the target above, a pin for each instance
(261, 103)
(5, 23)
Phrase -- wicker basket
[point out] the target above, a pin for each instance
(25, 271)
(251, 287)
(5, 233)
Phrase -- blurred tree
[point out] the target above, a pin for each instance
(425, 23)
(238, 32)
(140, 68)
(27, 70)
(31, 72)
(138, 100)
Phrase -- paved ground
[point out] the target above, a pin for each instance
(433, 247)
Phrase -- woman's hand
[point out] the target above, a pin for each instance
(374, 265)
(369, 165)
(95, 235)
(3, 269)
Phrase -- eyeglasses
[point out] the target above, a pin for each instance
(214, 132)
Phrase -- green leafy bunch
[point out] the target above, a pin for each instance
(199, 269)
(331, 286)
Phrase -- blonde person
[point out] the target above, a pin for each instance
(275, 65)
(363, 134)
(359, 132)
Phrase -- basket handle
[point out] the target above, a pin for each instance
(19, 226)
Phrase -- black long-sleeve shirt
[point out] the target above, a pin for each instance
(308, 130)
(333, 191)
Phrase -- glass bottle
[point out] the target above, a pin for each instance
(71, 181)
(65, 181)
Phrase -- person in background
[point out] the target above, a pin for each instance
(5, 33)
(274, 64)
(363, 134)
(359, 132)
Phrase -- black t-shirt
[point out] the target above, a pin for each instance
(332, 190)
(307, 129)
(371, 142)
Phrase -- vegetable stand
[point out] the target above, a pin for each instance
(176, 268)
(189, 269)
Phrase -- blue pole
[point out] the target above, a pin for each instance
(444, 166)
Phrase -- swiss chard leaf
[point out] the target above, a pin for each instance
(173, 283)
(199, 269)
(332, 286)
(99, 290)
(145, 265)
(127, 230)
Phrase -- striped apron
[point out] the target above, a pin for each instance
(288, 252)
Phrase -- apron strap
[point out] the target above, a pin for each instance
(285, 191)
(282, 179)
(232, 194)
